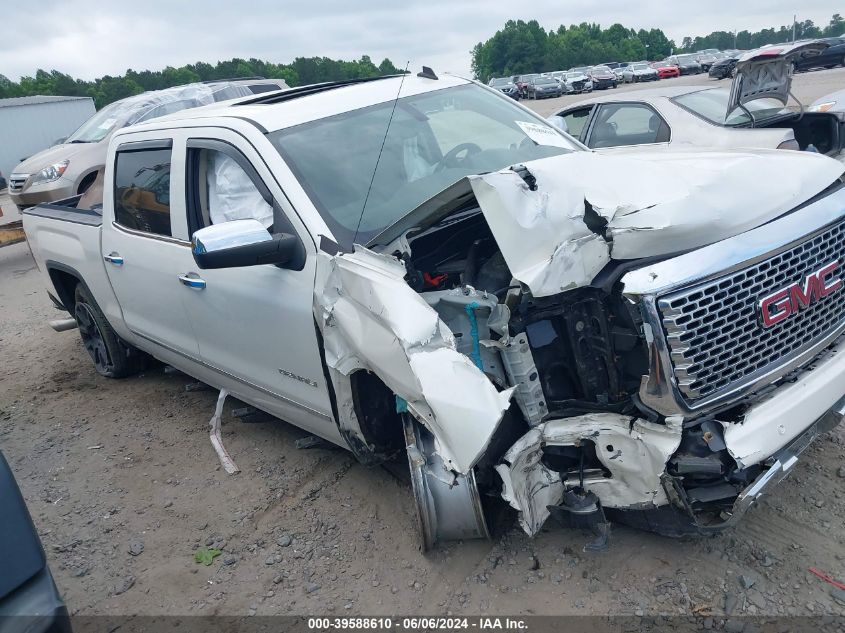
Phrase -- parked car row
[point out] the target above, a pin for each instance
(555, 83)
(582, 79)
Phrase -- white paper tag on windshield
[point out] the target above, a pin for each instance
(543, 134)
(105, 125)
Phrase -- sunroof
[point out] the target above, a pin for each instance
(303, 91)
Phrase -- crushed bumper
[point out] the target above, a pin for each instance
(771, 436)
(781, 464)
(771, 424)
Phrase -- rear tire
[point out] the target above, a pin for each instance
(112, 357)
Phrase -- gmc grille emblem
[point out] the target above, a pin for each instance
(782, 304)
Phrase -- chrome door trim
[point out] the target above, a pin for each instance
(153, 236)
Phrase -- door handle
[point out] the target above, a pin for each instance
(192, 280)
(113, 258)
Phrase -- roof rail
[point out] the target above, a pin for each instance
(303, 91)
(214, 81)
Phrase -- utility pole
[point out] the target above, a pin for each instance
(794, 17)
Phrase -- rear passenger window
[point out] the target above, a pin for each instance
(142, 190)
(627, 124)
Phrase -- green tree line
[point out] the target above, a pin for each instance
(745, 40)
(526, 47)
(104, 90)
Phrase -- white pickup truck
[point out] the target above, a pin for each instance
(421, 265)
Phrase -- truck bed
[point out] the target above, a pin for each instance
(65, 242)
(66, 210)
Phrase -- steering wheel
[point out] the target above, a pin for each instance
(450, 159)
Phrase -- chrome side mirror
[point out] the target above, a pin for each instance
(559, 122)
(241, 243)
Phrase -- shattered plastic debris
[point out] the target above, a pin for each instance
(633, 450)
(217, 441)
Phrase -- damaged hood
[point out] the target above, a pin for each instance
(767, 72)
(585, 209)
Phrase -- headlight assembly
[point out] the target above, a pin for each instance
(51, 173)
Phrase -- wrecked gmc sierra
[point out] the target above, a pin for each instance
(421, 265)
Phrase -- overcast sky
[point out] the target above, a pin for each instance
(89, 39)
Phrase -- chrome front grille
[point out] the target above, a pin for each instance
(16, 182)
(714, 332)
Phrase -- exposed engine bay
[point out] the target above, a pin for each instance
(523, 351)
(578, 355)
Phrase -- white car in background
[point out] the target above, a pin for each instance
(639, 71)
(575, 82)
(750, 114)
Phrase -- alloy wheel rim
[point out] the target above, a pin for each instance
(92, 338)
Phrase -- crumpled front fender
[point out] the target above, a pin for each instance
(371, 319)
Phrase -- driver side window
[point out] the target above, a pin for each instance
(223, 191)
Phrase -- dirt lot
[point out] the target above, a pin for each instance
(124, 486)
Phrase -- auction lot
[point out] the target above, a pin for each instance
(124, 487)
(807, 86)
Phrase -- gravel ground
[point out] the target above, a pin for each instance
(124, 487)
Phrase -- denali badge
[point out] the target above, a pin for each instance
(290, 374)
(790, 300)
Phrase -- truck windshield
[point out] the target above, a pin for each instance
(434, 140)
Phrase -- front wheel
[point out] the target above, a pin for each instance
(446, 511)
(111, 357)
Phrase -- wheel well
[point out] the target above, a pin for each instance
(86, 182)
(375, 408)
(65, 285)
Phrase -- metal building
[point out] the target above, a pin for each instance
(30, 124)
